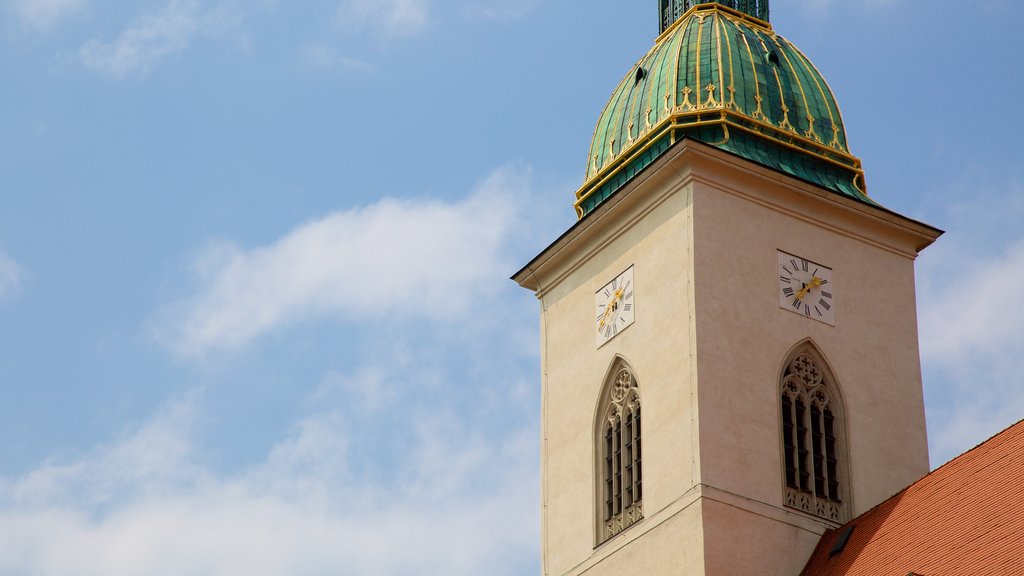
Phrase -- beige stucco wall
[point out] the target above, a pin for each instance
(701, 229)
(738, 542)
(743, 337)
(658, 348)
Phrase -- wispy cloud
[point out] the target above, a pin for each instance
(974, 311)
(418, 456)
(148, 505)
(384, 17)
(418, 259)
(972, 340)
(11, 275)
(156, 36)
(153, 459)
(44, 14)
(972, 336)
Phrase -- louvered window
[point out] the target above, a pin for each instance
(811, 459)
(621, 481)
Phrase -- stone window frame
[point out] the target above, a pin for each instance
(815, 459)
(618, 441)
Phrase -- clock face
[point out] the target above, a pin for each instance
(805, 288)
(613, 307)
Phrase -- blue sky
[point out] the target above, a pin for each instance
(254, 307)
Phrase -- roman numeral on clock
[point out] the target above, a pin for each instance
(803, 287)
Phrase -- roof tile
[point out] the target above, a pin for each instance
(966, 517)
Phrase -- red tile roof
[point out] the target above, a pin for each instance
(965, 518)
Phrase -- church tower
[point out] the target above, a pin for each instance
(729, 341)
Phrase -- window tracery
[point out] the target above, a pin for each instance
(811, 440)
(619, 440)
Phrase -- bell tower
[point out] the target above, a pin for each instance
(729, 342)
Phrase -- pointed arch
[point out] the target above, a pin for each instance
(813, 439)
(618, 451)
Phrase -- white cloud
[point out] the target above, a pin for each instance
(395, 258)
(43, 14)
(387, 17)
(11, 275)
(457, 505)
(152, 460)
(971, 307)
(972, 340)
(137, 48)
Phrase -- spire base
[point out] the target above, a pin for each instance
(669, 11)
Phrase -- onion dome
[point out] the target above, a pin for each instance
(720, 74)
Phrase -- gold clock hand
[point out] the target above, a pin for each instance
(612, 306)
(815, 282)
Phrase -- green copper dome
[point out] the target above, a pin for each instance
(721, 75)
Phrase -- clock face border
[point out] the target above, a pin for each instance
(797, 277)
(615, 306)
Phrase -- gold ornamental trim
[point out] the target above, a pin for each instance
(726, 119)
(713, 7)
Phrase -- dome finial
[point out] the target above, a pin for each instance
(671, 10)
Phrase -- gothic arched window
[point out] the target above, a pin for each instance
(618, 441)
(812, 439)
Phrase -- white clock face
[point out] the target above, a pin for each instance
(805, 288)
(613, 306)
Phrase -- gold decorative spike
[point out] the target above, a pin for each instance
(717, 27)
(647, 119)
(731, 105)
(759, 113)
(697, 82)
(785, 125)
(629, 133)
(810, 131)
(668, 96)
(835, 137)
(687, 105)
(594, 165)
(611, 148)
(711, 102)
(799, 83)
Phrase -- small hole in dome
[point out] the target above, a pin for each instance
(773, 57)
(640, 75)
